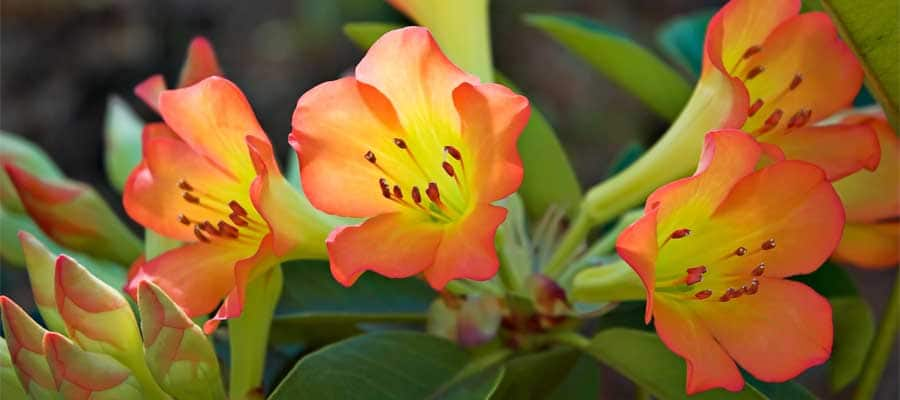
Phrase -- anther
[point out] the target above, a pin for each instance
(199, 234)
(768, 244)
(400, 143)
(237, 209)
(693, 278)
(209, 228)
(183, 219)
(697, 270)
(740, 251)
(703, 294)
(238, 220)
(190, 198)
(228, 230)
(416, 195)
(754, 287)
(738, 292)
(725, 297)
(433, 193)
(453, 152)
(800, 118)
(370, 157)
(773, 120)
(751, 51)
(680, 233)
(448, 169)
(397, 192)
(755, 71)
(798, 79)
(385, 189)
(184, 185)
(755, 107)
(759, 270)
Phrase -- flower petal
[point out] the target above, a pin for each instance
(409, 68)
(467, 248)
(334, 125)
(396, 245)
(149, 90)
(196, 276)
(775, 334)
(870, 245)
(637, 245)
(708, 365)
(244, 271)
(492, 118)
(213, 117)
(200, 63)
(873, 196)
(742, 24)
(806, 46)
(840, 150)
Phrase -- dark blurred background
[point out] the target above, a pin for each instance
(60, 59)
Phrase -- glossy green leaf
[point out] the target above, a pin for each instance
(854, 329)
(830, 280)
(388, 365)
(872, 31)
(536, 375)
(643, 358)
(622, 60)
(549, 177)
(681, 38)
(122, 141)
(582, 383)
(317, 310)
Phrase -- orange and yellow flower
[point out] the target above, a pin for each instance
(209, 177)
(712, 251)
(872, 202)
(418, 148)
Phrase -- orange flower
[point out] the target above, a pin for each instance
(420, 149)
(772, 73)
(872, 202)
(713, 250)
(209, 177)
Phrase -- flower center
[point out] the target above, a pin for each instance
(235, 224)
(441, 178)
(698, 282)
(769, 104)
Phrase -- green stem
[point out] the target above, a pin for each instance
(570, 338)
(881, 347)
(569, 244)
(465, 286)
(249, 335)
(602, 247)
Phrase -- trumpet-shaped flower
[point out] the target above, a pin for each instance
(872, 203)
(420, 149)
(771, 72)
(712, 251)
(208, 177)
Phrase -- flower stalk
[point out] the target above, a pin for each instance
(881, 347)
(249, 335)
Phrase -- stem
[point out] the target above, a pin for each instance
(573, 238)
(602, 247)
(570, 338)
(249, 335)
(881, 347)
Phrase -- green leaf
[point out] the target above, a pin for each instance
(582, 383)
(535, 376)
(622, 60)
(681, 38)
(549, 177)
(854, 329)
(643, 358)
(481, 386)
(830, 280)
(316, 310)
(872, 31)
(389, 365)
(122, 141)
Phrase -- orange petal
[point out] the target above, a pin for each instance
(742, 24)
(638, 246)
(244, 271)
(396, 245)
(152, 194)
(870, 245)
(873, 196)
(199, 64)
(213, 117)
(149, 90)
(805, 47)
(467, 248)
(775, 334)
(409, 68)
(334, 125)
(708, 365)
(840, 150)
(196, 276)
(492, 118)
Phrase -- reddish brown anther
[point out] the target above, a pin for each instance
(448, 169)
(755, 71)
(400, 143)
(228, 230)
(759, 270)
(416, 195)
(768, 244)
(680, 233)
(190, 198)
(199, 234)
(397, 192)
(453, 152)
(697, 270)
(370, 157)
(433, 193)
(184, 185)
(740, 251)
(754, 287)
(183, 219)
(238, 220)
(693, 278)
(751, 51)
(209, 228)
(798, 79)
(799, 118)
(237, 209)
(773, 120)
(755, 107)
(703, 294)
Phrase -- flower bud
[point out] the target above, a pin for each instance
(24, 341)
(88, 375)
(10, 388)
(469, 322)
(41, 264)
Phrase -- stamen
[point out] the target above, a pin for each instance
(238, 220)
(209, 228)
(184, 185)
(449, 169)
(800, 118)
(768, 244)
(796, 81)
(416, 195)
(400, 143)
(740, 251)
(751, 51)
(370, 157)
(755, 107)
(385, 188)
(727, 296)
(183, 219)
(754, 72)
(199, 234)
(397, 192)
(453, 152)
(759, 270)
(737, 293)
(697, 270)
(693, 278)
(754, 287)
(237, 209)
(680, 233)
(433, 194)
(772, 121)
(703, 294)
(228, 230)
(190, 198)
